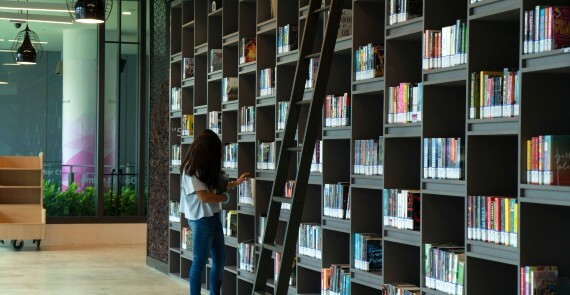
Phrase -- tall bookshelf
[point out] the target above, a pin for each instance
(494, 150)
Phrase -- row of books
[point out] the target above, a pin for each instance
(266, 155)
(336, 200)
(311, 78)
(261, 228)
(229, 222)
(445, 268)
(215, 121)
(187, 68)
(443, 158)
(287, 38)
(493, 219)
(246, 192)
(282, 109)
(230, 160)
(335, 280)
(369, 62)
(246, 253)
(446, 47)
(175, 155)
(175, 99)
(247, 50)
(247, 119)
(548, 160)
(173, 211)
(401, 208)
(229, 88)
(215, 60)
(187, 243)
(288, 193)
(310, 240)
(277, 268)
(545, 28)
(187, 125)
(405, 103)
(337, 110)
(539, 280)
(317, 161)
(369, 156)
(494, 94)
(403, 10)
(368, 251)
(400, 289)
(267, 81)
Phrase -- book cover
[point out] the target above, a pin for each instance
(187, 68)
(215, 60)
(248, 50)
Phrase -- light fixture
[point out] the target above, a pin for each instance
(3, 83)
(36, 6)
(11, 64)
(53, 19)
(6, 50)
(39, 42)
(27, 50)
(127, 13)
(90, 11)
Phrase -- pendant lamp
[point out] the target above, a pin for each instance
(26, 48)
(90, 11)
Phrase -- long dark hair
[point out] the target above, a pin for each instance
(204, 158)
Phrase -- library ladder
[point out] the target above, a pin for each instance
(305, 152)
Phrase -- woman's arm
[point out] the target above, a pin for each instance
(207, 197)
(238, 181)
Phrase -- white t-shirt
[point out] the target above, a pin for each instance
(190, 205)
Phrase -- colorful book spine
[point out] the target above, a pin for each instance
(536, 280)
(445, 268)
(310, 240)
(403, 10)
(443, 158)
(246, 192)
(267, 82)
(317, 161)
(368, 251)
(282, 109)
(230, 156)
(230, 223)
(215, 121)
(545, 29)
(247, 50)
(311, 78)
(287, 38)
(187, 125)
(175, 155)
(494, 94)
(277, 268)
(288, 193)
(187, 68)
(335, 280)
(337, 111)
(405, 103)
(493, 219)
(247, 119)
(369, 62)
(445, 48)
(400, 289)
(175, 99)
(261, 228)
(548, 160)
(369, 157)
(401, 208)
(336, 200)
(246, 255)
(229, 89)
(266, 156)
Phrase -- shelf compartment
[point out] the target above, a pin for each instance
(408, 30)
(367, 181)
(267, 27)
(403, 130)
(188, 83)
(246, 209)
(201, 49)
(175, 114)
(551, 61)
(336, 224)
(200, 110)
(246, 137)
(231, 39)
(372, 279)
(368, 86)
(309, 263)
(288, 58)
(497, 126)
(215, 76)
(174, 225)
(492, 252)
(337, 132)
(231, 241)
(545, 194)
(402, 236)
(489, 8)
(231, 105)
(456, 75)
(247, 68)
(267, 100)
(446, 187)
(176, 58)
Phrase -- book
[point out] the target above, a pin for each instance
(368, 251)
(401, 208)
(230, 156)
(282, 109)
(175, 99)
(187, 68)
(539, 280)
(266, 155)
(311, 78)
(288, 193)
(317, 160)
(175, 155)
(173, 211)
(494, 94)
(443, 158)
(337, 110)
(403, 10)
(336, 199)
(493, 219)
(229, 89)
(369, 156)
(277, 268)
(215, 60)
(369, 62)
(246, 192)
(187, 125)
(405, 103)
(247, 119)
(215, 121)
(444, 264)
(246, 254)
(231, 222)
(287, 38)
(446, 47)
(310, 240)
(548, 157)
(400, 289)
(545, 29)
(247, 50)
(261, 228)
(267, 82)
(187, 243)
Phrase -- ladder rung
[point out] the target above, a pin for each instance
(322, 9)
(273, 247)
(316, 54)
(283, 200)
(295, 149)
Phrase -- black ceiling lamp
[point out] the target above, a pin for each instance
(27, 49)
(90, 11)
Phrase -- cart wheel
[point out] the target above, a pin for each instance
(17, 244)
(37, 242)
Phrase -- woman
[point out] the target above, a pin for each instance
(203, 188)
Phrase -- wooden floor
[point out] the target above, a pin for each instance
(82, 270)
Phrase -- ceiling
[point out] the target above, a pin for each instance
(52, 33)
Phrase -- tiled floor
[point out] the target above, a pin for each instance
(82, 270)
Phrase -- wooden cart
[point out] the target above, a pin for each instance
(22, 214)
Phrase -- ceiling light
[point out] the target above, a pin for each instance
(11, 64)
(36, 18)
(90, 11)
(3, 83)
(6, 50)
(34, 6)
(127, 13)
(40, 42)
(27, 49)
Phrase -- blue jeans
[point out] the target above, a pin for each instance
(207, 236)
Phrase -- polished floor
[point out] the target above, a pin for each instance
(82, 270)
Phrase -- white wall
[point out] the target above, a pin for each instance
(95, 234)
